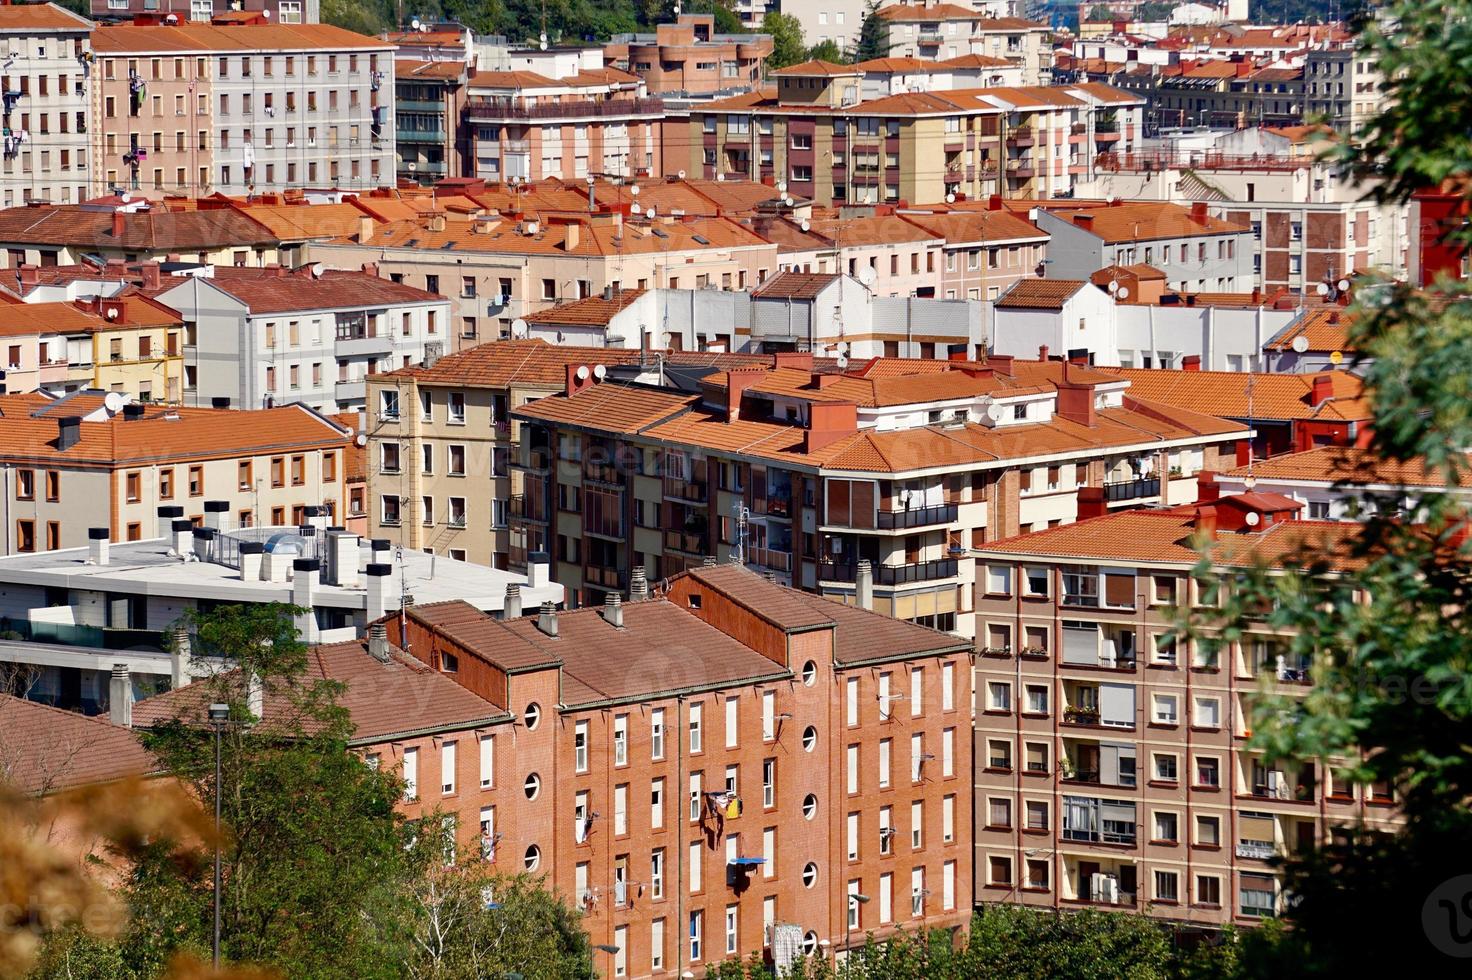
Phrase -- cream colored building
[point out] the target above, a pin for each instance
(46, 51)
(86, 460)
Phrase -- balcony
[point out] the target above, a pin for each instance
(602, 473)
(1258, 850)
(419, 105)
(491, 110)
(1021, 136)
(780, 561)
(350, 391)
(1132, 489)
(690, 544)
(526, 508)
(538, 461)
(923, 571)
(693, 491)
(943, 514)
(420, 135)
(366, 346)
(603, 577)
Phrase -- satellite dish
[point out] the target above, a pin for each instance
(1300, 344)
(867, 276)
(1343, 285)
(1336, 358)
(633, 190)
(583, 373)
(1252, 518)
(317, 269)
(266, 14)
(1113, 288)
(994, 412)
(1322, 289)
(950, 199)
(600, 372)
(360, 440)
(1124, 292)
(720, 178)
(414, 23)
(649, 212)
(112, 312)
(542, 45)
(805, 225)
(114, 401)
(681, 175)
(843, 347)
(842, 361)
(786, 201)
(518, 327)
(125, 197)
(781, 187)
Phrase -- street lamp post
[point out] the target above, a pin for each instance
(219, 715)
(608, 948)
(854, 901)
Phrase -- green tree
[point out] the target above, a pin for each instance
(726, 20)
(787, 43)
(827, 51)
(316, 867)
(1101, 12)
(873, 35)
(1384, 614)
(471, 922)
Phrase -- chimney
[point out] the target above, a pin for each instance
(1198, 212)
(152, 276)
(538, 569)
(1075, 402)
(255, 695)
(511, 607)
(370, 269)
(1042, 352)
(204, 538)
(613, 610)
(1191, 362)
(214, 513)
(166, 514)
(1084, 220)
(638, 584)
(378, 577)
(378, 642)
(117, 224)
(572, 235)
(437, 221)
(365, 229)
(98, 539)
(251, 553)
(864, 585)
(1206, 522)
(547, 619)
(183, 530)
(994, 203)
(709, 561)
(68, 432)
(1207, 489)
(1091, 502)
(133, 411)
(1323, 390)
(29, 275)
(303, 593)
(737, 381)
(180, 652)
(342, 556)
(120, 697)
(316, 516)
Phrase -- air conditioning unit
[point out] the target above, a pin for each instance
(1105, 888)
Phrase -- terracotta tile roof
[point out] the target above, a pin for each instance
(795, 285)
(145, 231)
(40, 17)
(513, 362)
(595, 311)
(511, 80)
(1285, 397)
(825, 69)
(984, 24)
(29, 319)
(926, 12)
(130, 39)
(779, 606)
(879, 229)
(1324, 330)
(1107, 94)
(975, 61)
(786, 235)
(1147, 221)
(610, 405)
(874, 391)
(964, 227)
(593, 239)
(1039, 294)
(1347, 465)
(445, 70)
(298, 221)
(29, 433)
(276, 290)
(491, 638)
(383, 700)
(880, 66)
(47, 749)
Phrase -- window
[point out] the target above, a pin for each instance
(697, 919)
(696, 711)
(1208, 831)
(1207, 713)
(1167, 886)
(917, 691)
(732, 717)
(1036, 815)
(948, 687)
(999, 696)
(1164, 709)
(447, 768)
(999, 813)
(1036, 580)
(1166, 827)
(411, 774)
(656, 804)
(998, 754)
(53, 484)
(769, 715)
(1037, 699)
(1208, 890)
(580, 747)
(851, 701)
(999, 870)
(1165, 768)
(917, 824)
(886, 748)
(851, 768)
(695, 796)
(621, 740)
(487, 761)
(656, 734)
(999, 580)
(1208, 771)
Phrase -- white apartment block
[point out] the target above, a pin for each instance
(45, 63)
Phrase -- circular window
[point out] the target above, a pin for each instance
(532, 716)
(809, 738)
(809, 875)
(533, 858)
(809, 806)
(809, 943)
(532, 787)
(809, 673)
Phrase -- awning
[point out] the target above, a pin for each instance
(748, 862)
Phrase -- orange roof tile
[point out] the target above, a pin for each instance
(277, 290)
(19, 17)
(299, 221)
(1039, 294)
(599, 237)
(130, 39)
(926, 12)
(1350, 466)
(1324, 330)
(594, 311)
(962, 227)
(826, 69)
(151, 230)
(976, 61)
(879, 229)
(1273, 396)
(795, 285)
(47, 749)
(1146, 221)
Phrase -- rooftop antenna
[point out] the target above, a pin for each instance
(743, 513)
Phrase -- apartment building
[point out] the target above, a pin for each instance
(441, 441)
(941, 31)
(47, 55)
(1195, 251)
(69, 235)
(526, 126)
(429, 97)
(894, 76)
(236, 108)
(498, 268)
(262, 337)
(984, 252)
(1341, 483)
(124, 343)
(906, 464)
(690, 59)
(655, 775)
(66, 459)
(818, 135)
(205, 11)
(1113, 768)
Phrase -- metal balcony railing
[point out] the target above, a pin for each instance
(923, 571)
(1132, 489)
(917, 517)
